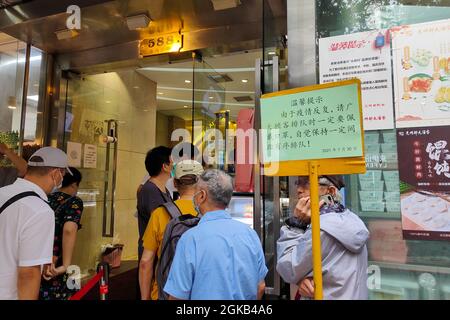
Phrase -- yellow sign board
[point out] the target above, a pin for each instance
(161, 43)
(312, 131)
(320, 123)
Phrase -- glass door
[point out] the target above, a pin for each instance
(210, 118)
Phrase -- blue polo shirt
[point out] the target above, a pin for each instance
(219, 259)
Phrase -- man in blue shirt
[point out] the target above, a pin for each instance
(221, 258)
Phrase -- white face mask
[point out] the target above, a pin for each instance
(57, 186)
(196, 207)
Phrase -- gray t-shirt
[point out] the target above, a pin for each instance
(8, 175)
(149, 198)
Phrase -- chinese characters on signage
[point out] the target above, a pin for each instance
(421, 59)
(358, 55)
(424, 160)
(317, 124)
(437, 152)
(90, 156)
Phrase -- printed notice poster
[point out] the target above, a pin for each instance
(90, 156)
(318, 124)
(74, 154)
(424, 159)
(421, 58)
(366, 56)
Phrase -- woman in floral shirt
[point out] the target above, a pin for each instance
(68, 209)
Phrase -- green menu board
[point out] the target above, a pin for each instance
(321, 123)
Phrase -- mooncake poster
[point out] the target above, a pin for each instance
(421, 65)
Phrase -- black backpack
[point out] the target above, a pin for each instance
(178, 225)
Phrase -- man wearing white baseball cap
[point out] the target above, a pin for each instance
(27, 225)
(185, 180)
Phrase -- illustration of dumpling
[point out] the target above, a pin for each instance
(439, 222)
(420, 198)
(441, 95)
(426, 216)
(422, 57)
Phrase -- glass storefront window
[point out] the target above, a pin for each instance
(12, 72)
(33, 134)
(12, 64)
(398, 268)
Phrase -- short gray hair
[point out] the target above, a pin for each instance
(219, 186)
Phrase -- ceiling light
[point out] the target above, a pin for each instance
(136, 87)
(145, 110)
(186, 106)
(175, 47)
(211, 97)
(36, 84)
(272, 53)
(107, 101)
(12, 102)
(139, 21)
(225, 4)
(161, 93)
(187, 81)
(66, 34)
(244, 80)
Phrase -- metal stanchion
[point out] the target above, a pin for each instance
(104, 280)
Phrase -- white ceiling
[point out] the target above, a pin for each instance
(174, 93)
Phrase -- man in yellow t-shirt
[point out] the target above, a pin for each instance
(185, 180)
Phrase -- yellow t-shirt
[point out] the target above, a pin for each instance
(154, 233)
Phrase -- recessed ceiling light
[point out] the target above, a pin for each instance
(211, 97)
(136, 87)
(161, 93)
(66, 34)
(139, 21)
(271, 53)
(187, 81)
(36, 85)
(186, 106)
(145, 110)
(107, 101)
(244, 80)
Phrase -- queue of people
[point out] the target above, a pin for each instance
(36, 243)
(189, 248)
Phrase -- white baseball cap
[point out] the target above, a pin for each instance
(52, 157)
(186, 167)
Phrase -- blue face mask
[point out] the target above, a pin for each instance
(196, 207)
(172, 173)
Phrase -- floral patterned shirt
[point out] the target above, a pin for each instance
(67, 208)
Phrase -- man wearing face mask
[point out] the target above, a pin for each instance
(27, 225)
(153, 193)
(186, 177)
(343, 239)
(220, 258)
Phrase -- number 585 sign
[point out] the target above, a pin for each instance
(170, 42)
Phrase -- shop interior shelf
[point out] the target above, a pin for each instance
(411, 267)
(379, 215)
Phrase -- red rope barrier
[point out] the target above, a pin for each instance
(83, 291)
